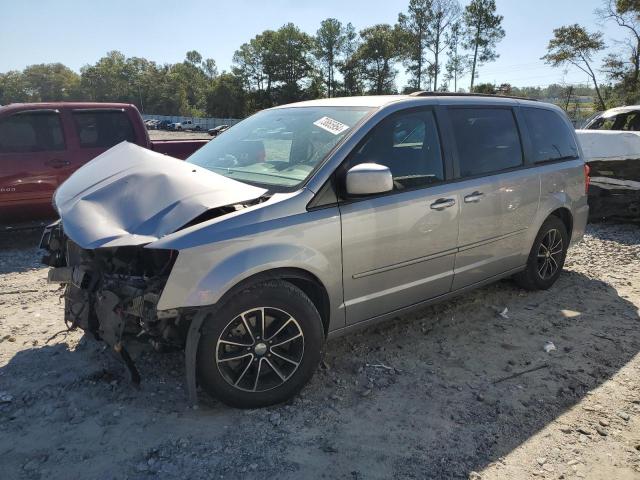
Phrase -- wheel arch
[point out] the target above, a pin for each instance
(306, 281)
(564, 214)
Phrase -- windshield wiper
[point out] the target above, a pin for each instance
(235, 170)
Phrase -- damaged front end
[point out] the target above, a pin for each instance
(111, 211)
(112, 293)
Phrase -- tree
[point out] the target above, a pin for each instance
(106, 80)
(12, 88)
(413, 36)
(210, 68)
(574, 45)
(457, 62)
(329, 43)
(486, 88)
(624, 67)
(628, 6)
(378, 52)
(444, 14)
(169, 89)
(226, 97)
(273, 66)
(290, 54)
(351, 67)
(193, 57)
(252, 63)
(50, 82)
(482, 32)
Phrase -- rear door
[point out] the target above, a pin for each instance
(499, 195)
(399, 248)
(32, 154)
(97, 130)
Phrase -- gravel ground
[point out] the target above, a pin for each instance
(169, 135)
(464, 389)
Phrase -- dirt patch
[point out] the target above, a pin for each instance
(464, 389)
(171, 135)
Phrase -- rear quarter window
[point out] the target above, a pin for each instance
(551, 137)
(487, 140)
(103, 129)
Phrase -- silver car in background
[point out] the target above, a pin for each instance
(305, 221)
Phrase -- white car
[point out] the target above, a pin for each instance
(186, 125)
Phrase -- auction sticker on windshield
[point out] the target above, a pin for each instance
(331, 125)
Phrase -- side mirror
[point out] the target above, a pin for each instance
(369, 178)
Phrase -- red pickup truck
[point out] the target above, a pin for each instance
(42, 144)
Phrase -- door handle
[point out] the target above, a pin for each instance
(474, 197)
(443, 203)
(57, 163)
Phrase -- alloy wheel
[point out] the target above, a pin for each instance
(260, 349)
(550, 254)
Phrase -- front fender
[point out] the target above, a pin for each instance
(238, 267)
(309, 241)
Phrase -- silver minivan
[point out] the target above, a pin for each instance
(308, 220)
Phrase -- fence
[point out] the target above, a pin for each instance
(203, 123)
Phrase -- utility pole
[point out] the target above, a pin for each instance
(140, 96)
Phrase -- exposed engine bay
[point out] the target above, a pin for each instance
(112, 293)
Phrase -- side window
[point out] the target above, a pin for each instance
(103, 129)
(550, 136)
(632, 122)
(487, 140)
(409, 145)
(31, 132)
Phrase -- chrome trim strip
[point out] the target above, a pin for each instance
(405, 263)
(437, 255)
(491, 240)
(338, 332)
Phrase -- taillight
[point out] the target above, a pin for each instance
(587, 178)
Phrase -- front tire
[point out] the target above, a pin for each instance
(546, 259)
(261, 346)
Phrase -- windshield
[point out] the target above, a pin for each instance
(629, 121)
(278, 148)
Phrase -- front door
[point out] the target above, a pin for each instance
(32, 154)
(399, 248)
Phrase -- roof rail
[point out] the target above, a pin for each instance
(422, 93)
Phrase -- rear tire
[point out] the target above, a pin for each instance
(261, 346)
(547, 256)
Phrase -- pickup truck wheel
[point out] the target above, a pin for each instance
(261, 346)
(547, 256)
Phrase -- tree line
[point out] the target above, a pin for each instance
(437, 42)
(575, 45)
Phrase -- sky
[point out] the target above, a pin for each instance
(77, 33)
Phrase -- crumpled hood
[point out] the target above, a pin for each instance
(132, 196)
